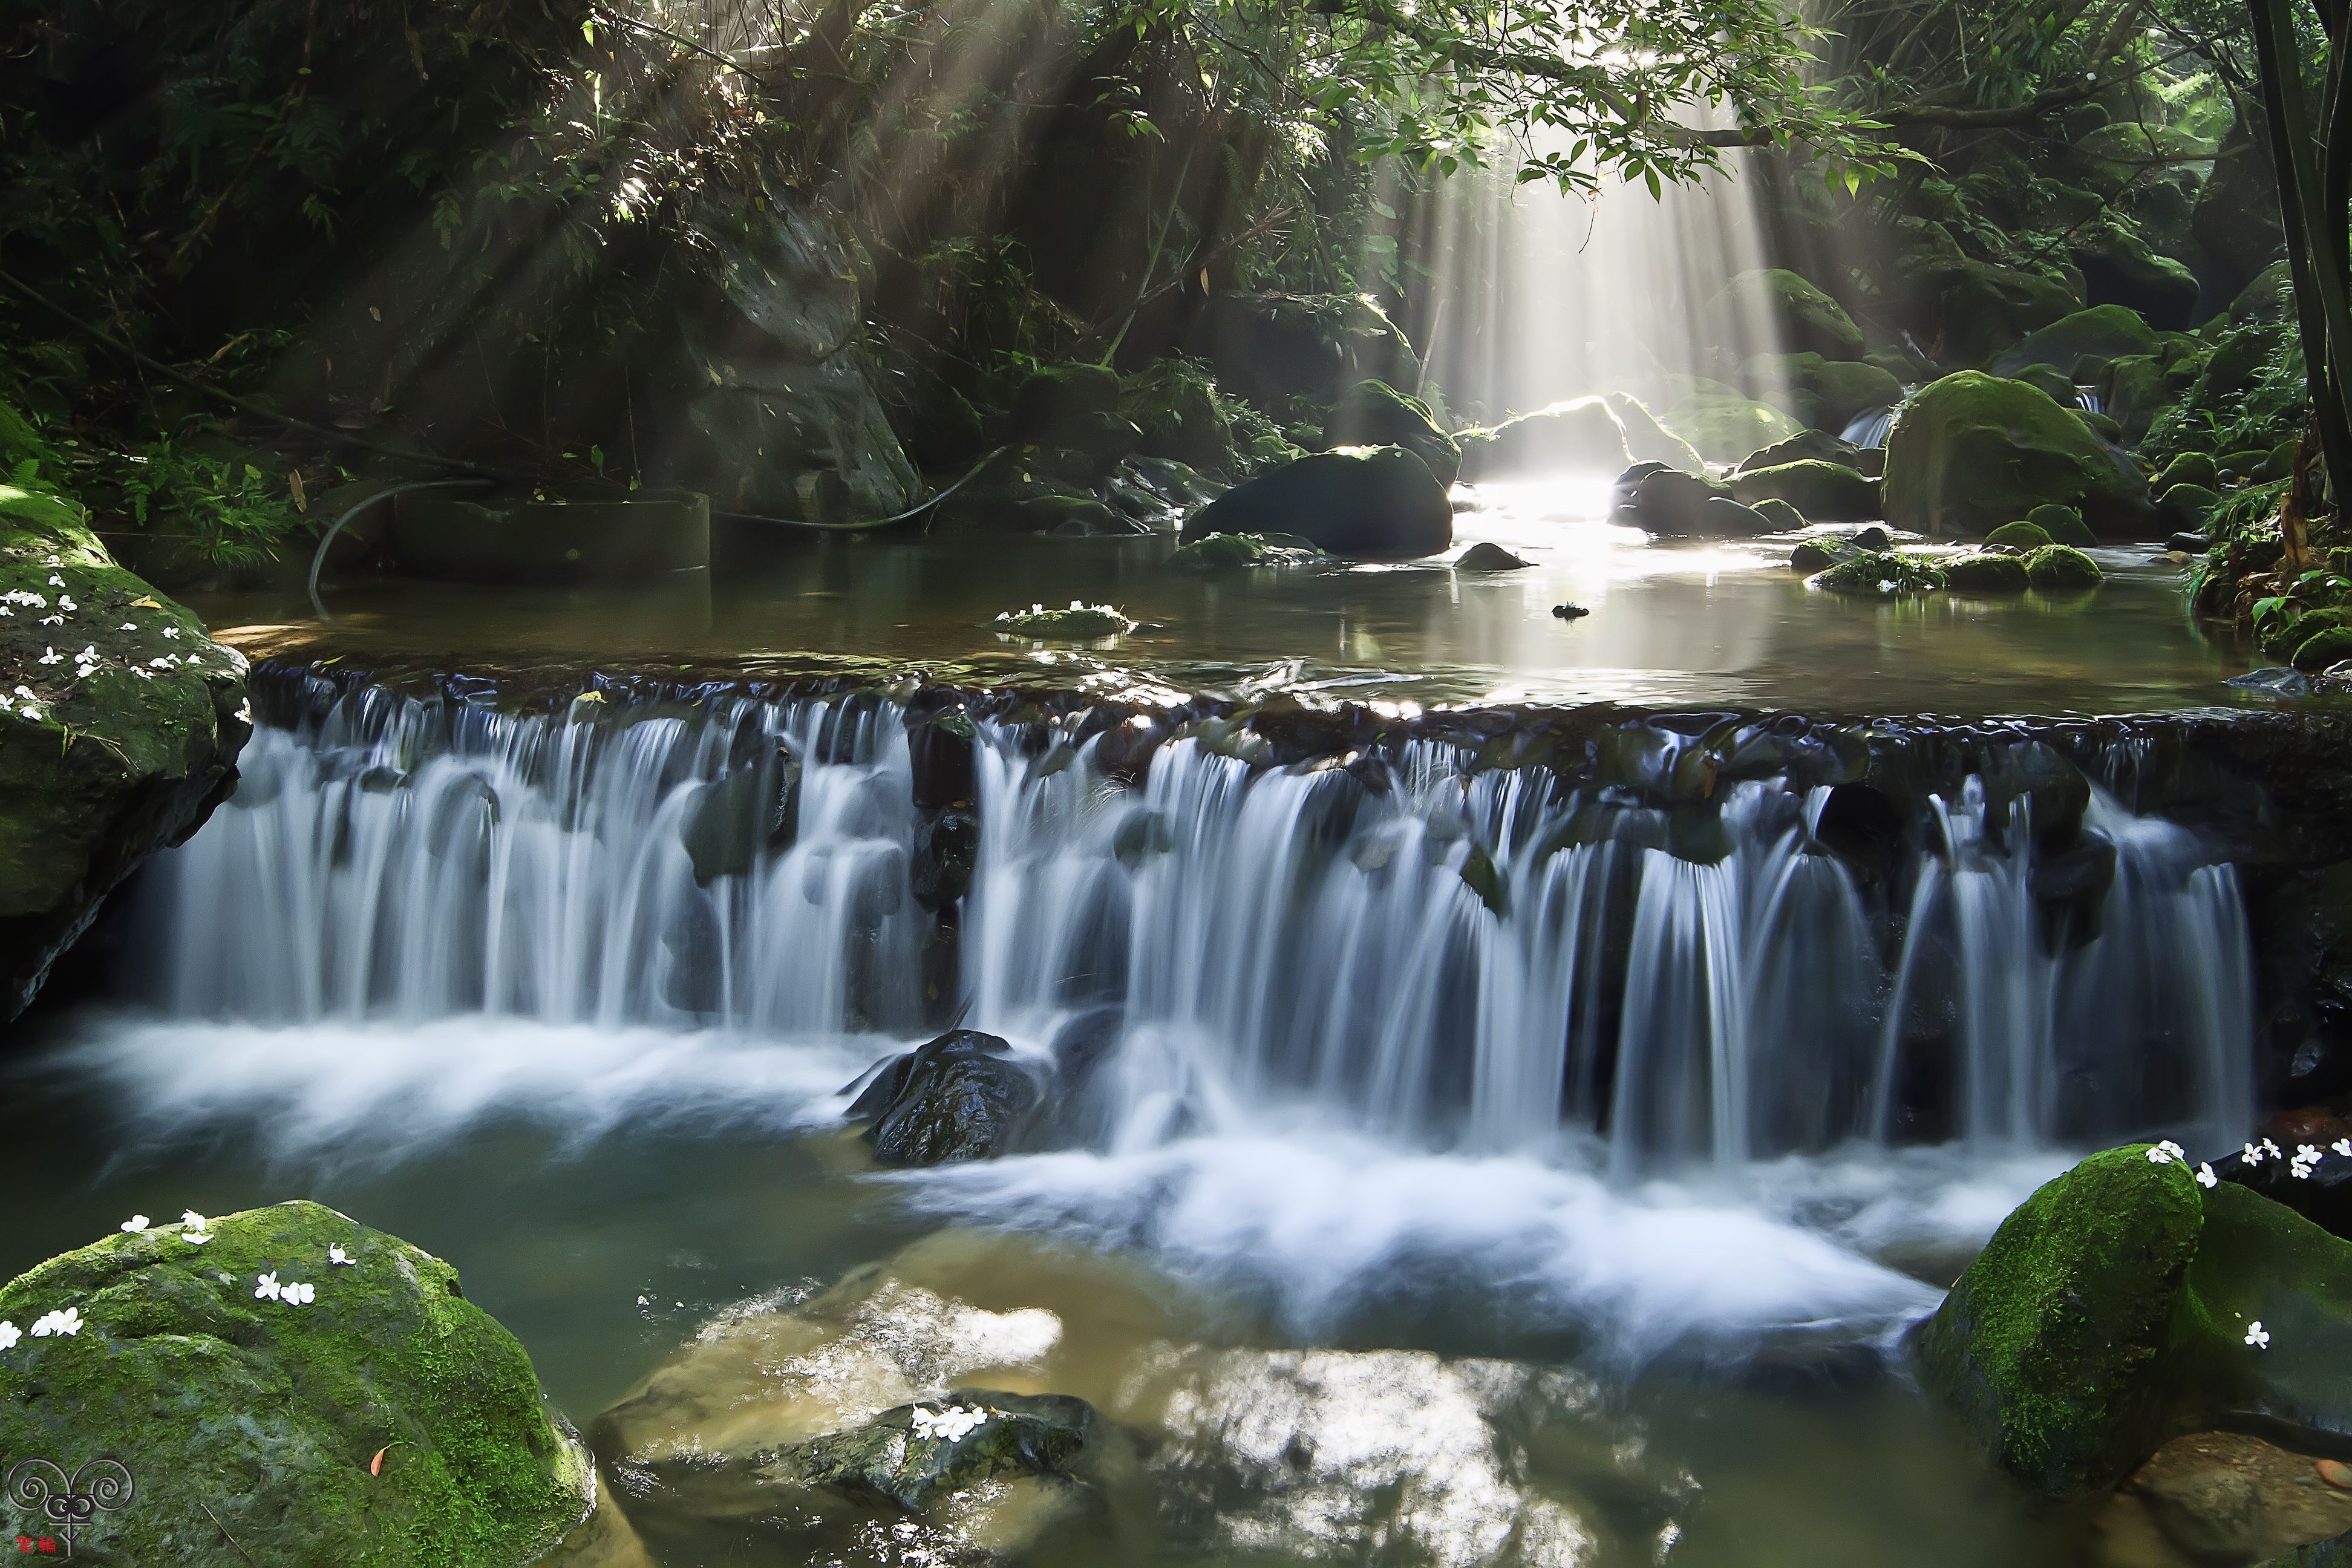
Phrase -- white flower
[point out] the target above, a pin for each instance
(951, 1425)
(67, 1322)
(2343, 1146)
(135, 1223)
(9, 1335)
(140, 673)
(32, 712)
(5, 610)
(2205, 1178)
(50, 655)
(2258, 1336)
(172, 633)
(66, 603)
(2175, 1150)
(2159, 1155)
(55, 581)
(2252, 1155)
(128, 626)
(25, 692)
(2308, 1151)
(53, 620)
(2272, 1150)
(194, 1220)
(36, 601)
(337, 1255)
(158, 664)
(300, 1295)
(266, 1288)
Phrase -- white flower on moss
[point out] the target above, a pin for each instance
(135, 1223)
(299, 1294)
(337, 1255)
(198, 1230)
(51, 655)
(2205, 1178)
(158, 664)
(65, 602)
(9, 1335)
(31, 712)
(67, 1323)
(2258, 1336)
(128, 626)
(2159, 1155)
(53, 620)
(267, 1289)
(171, 634)
(5, 610)
(55, 581)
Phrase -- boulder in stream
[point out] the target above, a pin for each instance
(271, 1405)
(963, 1096)
(1824, 493)
(1801, 313)
(1374, 414)
(1580, 436)
(1381, 502)
(912, 1454)
(1975, 451)
(119, 735)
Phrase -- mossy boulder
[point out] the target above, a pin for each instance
(1666, 502)
(963, 1096)
(240, 1417)
(1580, 436)
(2120, 270)
(2101, 333)
(1974, 451)
(904, 1458)
(1723, 424)
(2189, 468)
(2324, 649)
(1979, 309)
(2187, 509)
(1825, 492)
(115, 755)
(1380, 501)
(1985, 572)
(1881, 574)
(1176, 409)
(1374, 414)
(1814, 446)
(1806, 319)
(2019, 536)
(1078, 622)
(1783, 517)
(2047, 1346)
(1232, 551)
(1826, 393)
(2058, 567)
(1814, 556)
(1647, 440)
(2139, 387)
(2064, 524)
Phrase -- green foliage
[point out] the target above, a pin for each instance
(222, 510)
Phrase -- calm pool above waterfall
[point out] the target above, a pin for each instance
(1513, 1139)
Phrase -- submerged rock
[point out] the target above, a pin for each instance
(1975, 451)
(381, 1420)
(1486, 556)
(1383, 502)
(1673, 504)
(963, 1096)
(1226, 552)
(114, 742)
(910, 1456)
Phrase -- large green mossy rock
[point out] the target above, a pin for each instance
(1368, 502)
(2117, 1308)
(1647, 440)
(1826, 393)
(2048, 1346)
(1580, 436)
(248, 1418)
(1974, 451)
(1980, 308)
(1721, 423)
(1807, 319)
(1374, 414)
(114, 757)
(2101, 333)
(1824, 493)
(1985, 572)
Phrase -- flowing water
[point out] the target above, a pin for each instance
(1559, 1162)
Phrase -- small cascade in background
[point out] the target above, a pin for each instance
(1477, 959)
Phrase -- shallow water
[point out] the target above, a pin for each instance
(1670, 623)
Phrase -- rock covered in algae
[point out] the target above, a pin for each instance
(912, 1454)
(1824, 493)
(1884, 573)
(247, 1421)
(2123, 1303)
(1374, 414)
(963, 1096)
(1985, 572)
(1079, 623)
(1230, 551)
(2062, 566)
(1974, 451)
(120, 727)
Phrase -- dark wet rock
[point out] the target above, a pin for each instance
(1723, 518)
(1809, 445)
(2188, 544)
(2187, 509)
(1806, 318)
(1811, 555)
(889, 1460)
(1862, 826)
(1486, 556)
(2228, 1497)
(269, 1415)
(1382, 503)
(1985, 572)
(963, 1096)
(1269, 347)
(1975, 451)
(1570, 612)
(1784, 518)
(1826, 393)
(1231, 552)
(1883, 573)
(2064, 524)
(1875, 538)
(1582, 436)
(115, 767)
(741, 816)
(2273, 682)
(2062, 567)
(1374, 414)
(2324, 649)
(1671, 504)
(2070, 887)
(2100, 334)
(1824, 493)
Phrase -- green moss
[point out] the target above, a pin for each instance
(2064, 524)
(2101, 333)
(1806, 318)
(1886, 574)
(1973, 451)
(269, 1415)
(2044, 1344)
(1985, 574)
(2190, 468)
(1080, 623)
(2019, 536)
(2062, 566)
(1374, 414)
(2323, 648)
(1825, 492)
(1227, 552)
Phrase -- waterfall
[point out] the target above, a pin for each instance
(1485, 959)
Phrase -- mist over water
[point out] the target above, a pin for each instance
(1376, 1035)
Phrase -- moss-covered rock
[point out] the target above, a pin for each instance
(1806, 319)
(1582, 434)
(1665, 501)
(1232, 551)
(1079, 623)
(246, 1417)
(907, 1458)
(1720, 422)
(1647, 440)
(1374, 414)
(1783, 517)
(2189, 468)
(2120, 270)
(1974, 451)
(1979, 309)
(2047, 1345)
(2057, 567)
(2139, 387)
(1806, 446)
(2019, 536)
(2324, 649)
(1826, 393)
(1880, 574)
(1825, 492)
(2064, 524)
(1813, 555)
(2101, 333)
(1380, 501)
(128, 738)
(1984, 573)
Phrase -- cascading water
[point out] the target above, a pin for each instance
(1485, 961)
